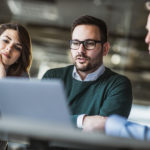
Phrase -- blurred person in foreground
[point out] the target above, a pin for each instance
(92, 89)
(116, 125)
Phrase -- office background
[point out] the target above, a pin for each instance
(49, 21)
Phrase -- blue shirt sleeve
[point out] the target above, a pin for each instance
(119, 126)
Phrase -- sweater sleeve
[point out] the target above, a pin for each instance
(118, 99)
(119, 126)
(74, 119)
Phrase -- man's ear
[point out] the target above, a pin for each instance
(106, 47)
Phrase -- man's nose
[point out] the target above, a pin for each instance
(81, 48)
(147, 38)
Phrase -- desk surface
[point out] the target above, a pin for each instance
(25, 130)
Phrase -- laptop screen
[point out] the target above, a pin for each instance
(36, 100)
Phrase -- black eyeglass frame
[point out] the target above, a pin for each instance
(83, 42)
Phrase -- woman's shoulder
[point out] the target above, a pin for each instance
(24, 75)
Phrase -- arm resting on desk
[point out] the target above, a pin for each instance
(119, 126)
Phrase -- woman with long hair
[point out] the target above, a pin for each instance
(15, 50)
(15, 54)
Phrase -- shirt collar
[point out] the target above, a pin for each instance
(91, 76)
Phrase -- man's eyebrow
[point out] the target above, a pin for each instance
(75, 39)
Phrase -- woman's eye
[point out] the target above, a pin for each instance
(17, 48)
(6, 41)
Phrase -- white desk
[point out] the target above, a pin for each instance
(25, 130)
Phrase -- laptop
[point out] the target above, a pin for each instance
(29, 104)
(34, 109)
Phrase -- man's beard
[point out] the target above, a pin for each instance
(84, 68)
(88, 66)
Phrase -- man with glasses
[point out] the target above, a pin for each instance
(91, 88)
(116, 125)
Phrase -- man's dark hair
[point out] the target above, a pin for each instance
(89, 20)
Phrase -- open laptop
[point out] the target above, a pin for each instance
(33, 109)
(28, 104)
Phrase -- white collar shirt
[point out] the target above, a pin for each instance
(91, 76)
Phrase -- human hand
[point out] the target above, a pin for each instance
(2, 68)
(93, 123)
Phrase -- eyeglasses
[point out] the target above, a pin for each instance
(87, 44)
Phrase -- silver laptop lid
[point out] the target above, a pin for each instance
(35, 100)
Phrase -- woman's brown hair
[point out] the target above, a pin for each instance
(22, 66)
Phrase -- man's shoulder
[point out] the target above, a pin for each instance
(113, 75)
(58, 72)
(61, 69)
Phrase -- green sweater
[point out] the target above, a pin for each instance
(110, 94)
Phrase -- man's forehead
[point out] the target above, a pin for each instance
(147, 5)
(149, 16)
(148, 22)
